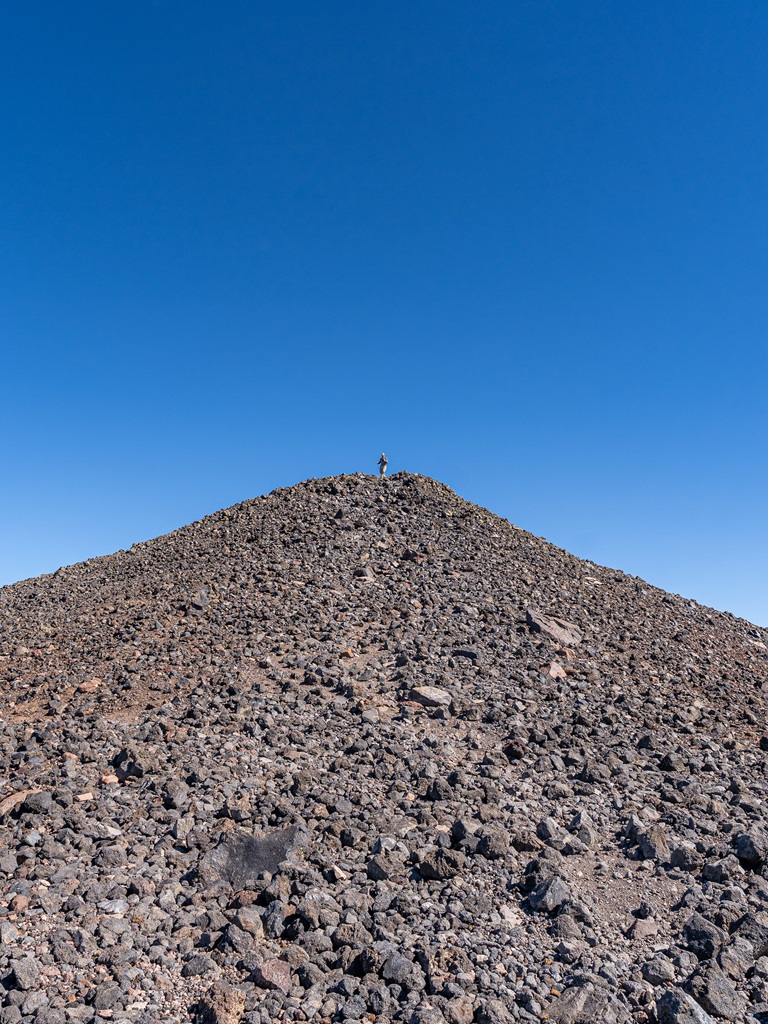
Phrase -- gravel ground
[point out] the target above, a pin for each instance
(360, 750)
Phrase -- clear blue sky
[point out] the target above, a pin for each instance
(520, 246)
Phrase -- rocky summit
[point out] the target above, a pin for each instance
(362, 751)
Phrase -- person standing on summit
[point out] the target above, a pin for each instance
(382, 464)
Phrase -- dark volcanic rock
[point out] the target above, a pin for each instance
(585, 1004)
(675, 1007)
(360, 749)
(549, 895)
(26, 972)
(199, 965)
(441, 864)
(752, 847)
(221, 1004)
(754, 928)
(273, 974)
(243, 859)
(493, 1011)
(563, 632)
(712, 990)
(702, 937)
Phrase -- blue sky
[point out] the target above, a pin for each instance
(521, 248)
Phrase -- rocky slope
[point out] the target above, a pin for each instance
(360, 750)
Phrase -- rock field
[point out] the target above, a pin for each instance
(362, 751)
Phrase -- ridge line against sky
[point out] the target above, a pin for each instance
(286, 486)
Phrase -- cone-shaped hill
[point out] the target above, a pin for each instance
(361, 750)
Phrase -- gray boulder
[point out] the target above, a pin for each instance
(556, 629)
(585, 1004)
(675, 1007)
(712, 990)
(241, 858)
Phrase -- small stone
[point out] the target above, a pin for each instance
(441, 864)
(111, 857)
(653, 844)
(494, 843)
(584, 1004)
(515, 748)
(439, 789)
(354, 1009)
(107, 997)
(724, 871)
(405, 972)
(493, 1011)
(383, 866)
(26, 973)
(51, 1015)
(752, 847)
(675, 1007)
(550, 832)
(737, 958)
(549, 895)
(564, 633)
(430, 696)
(38, 803)
(114, 906)
(14, 800)
(712, 990)
(659, 971)
(703, 938)
(198, 965)
(89, 685)
(686, 857)
(644, 929)
(249, 920)
(36, 1000)
(221, 1004)
(754, 928)
(426, 1014)
(458, 1010)
(240, 940)
(273, 974)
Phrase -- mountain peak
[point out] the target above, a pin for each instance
(434, 732)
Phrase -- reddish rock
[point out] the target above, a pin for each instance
(221, 1004)
(273, 974)
(644, 928)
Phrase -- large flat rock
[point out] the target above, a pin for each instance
(242, 857)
